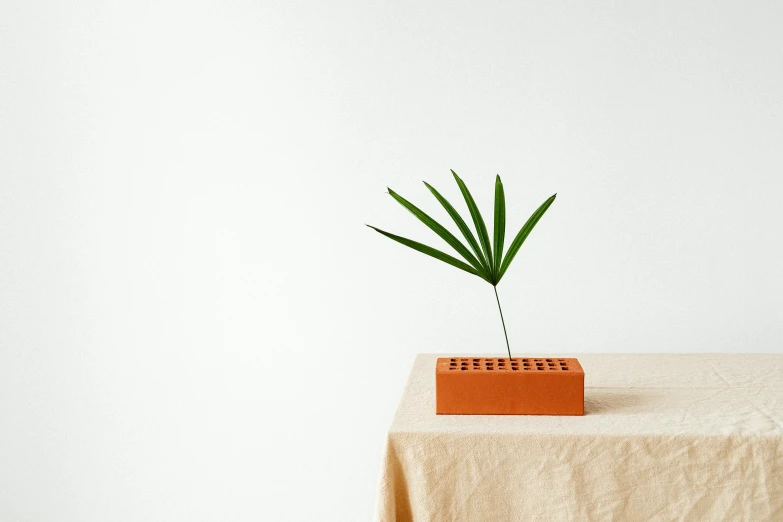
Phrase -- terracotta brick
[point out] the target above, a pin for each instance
(502, 386)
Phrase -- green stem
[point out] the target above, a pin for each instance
(502, 321)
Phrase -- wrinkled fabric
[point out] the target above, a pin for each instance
(664, 437)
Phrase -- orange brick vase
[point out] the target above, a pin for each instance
(518, 386)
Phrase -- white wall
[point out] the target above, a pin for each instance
(195, 323)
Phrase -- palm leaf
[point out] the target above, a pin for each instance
(478, 221)
(424, 249)
(442, 232)
(522, 235)
(463, 227)
(500, 224)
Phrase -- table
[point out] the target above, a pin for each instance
(664, 437)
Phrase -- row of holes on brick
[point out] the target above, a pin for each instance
(542, 365)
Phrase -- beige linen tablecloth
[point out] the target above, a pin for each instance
(664, 437)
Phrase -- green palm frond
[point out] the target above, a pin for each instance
(484, 259)
(500, 226)
(463, 227)
(527, 228)
(478, 222)
(447, 236)
(424, 249)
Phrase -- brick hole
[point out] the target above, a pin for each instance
(464, 368)
(549, 360)
(565, 368)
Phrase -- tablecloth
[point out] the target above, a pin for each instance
(664, 437)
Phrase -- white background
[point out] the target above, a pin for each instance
(195, 324)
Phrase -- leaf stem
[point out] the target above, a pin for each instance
(495, 288)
